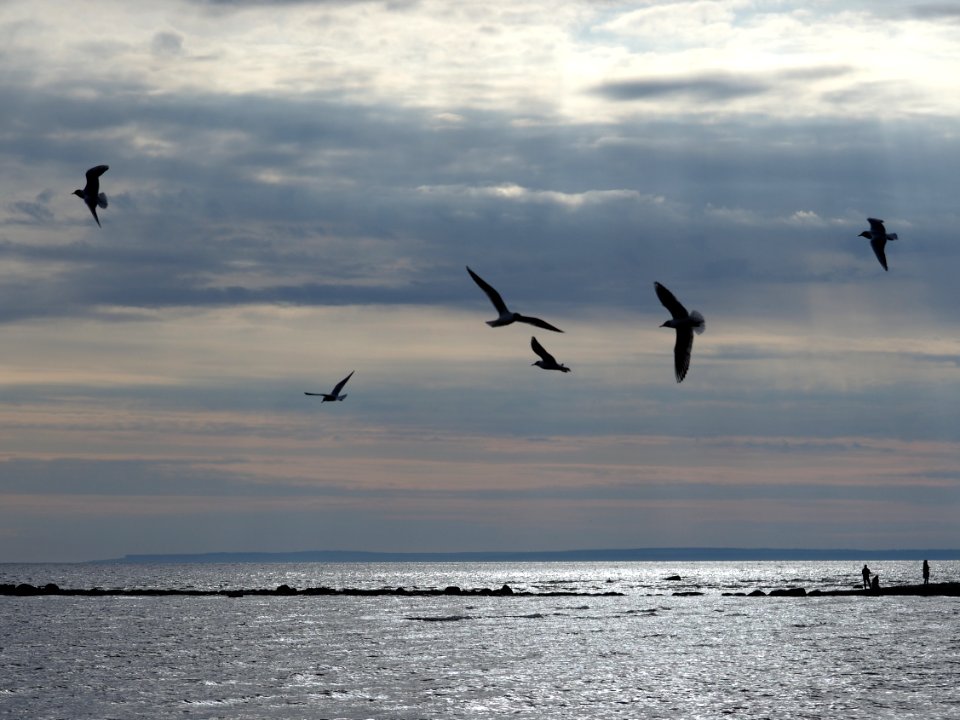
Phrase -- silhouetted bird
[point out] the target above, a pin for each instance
(685, 323)
(546, 361)
(506, 316)
(878, 236)
(91, 194)
(335, 393)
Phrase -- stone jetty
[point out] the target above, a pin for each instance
(24, 589)
(949, 589)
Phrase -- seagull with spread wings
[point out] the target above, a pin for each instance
(546, 361)
(506, 316)
(878, 236)
(90, 194)
(335, 393)
(685, 323)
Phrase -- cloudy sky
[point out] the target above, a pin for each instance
(296, 187)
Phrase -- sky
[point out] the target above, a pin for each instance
(295, 189)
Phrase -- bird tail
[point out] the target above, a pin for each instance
(341, 398)
(891, 236)
(701, 323)
(102, 200)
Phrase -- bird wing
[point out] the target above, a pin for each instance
(93, 211)
(682, 351)
(536, 321)
(491, 293)
(316, 394)
(95, 172)
(876, 226)
(670, 302)
(877, 243)
(92, 188)
(544, 355)
(339, 386)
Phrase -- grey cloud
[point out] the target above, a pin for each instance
(131, 478)
(873, 95)
(389, 4)
(906, 493)
(167, 44)
(183, 220)
(136, 478)
(937, 11)
(818, 72)
(111, 477)
(714, 86)
(953, 360)
(953, 475)
(35, 212)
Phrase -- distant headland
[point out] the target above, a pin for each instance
(690, 554)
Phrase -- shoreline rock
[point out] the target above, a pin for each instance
(27, 590)
(947, 589)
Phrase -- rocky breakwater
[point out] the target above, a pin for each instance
(25, 590)
(948, 589)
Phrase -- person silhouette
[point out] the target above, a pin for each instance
(866, 577)
(875, 583)
(926, 573)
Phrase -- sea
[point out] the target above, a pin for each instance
(648, 653)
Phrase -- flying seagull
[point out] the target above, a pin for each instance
(91, 194)
(506, 316)
(878, 239)
(685, 323)
(546, 361)
(335, 393)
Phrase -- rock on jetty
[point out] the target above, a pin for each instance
(949, 589)
(24, 589)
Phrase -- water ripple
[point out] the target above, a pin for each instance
(406, 657)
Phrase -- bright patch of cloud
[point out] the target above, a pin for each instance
(517, 193)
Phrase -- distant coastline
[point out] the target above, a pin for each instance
(599, 555)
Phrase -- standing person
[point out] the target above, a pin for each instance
(866, 577)
(926, 573)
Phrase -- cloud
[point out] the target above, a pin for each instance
(936, 12)
(316, 200)
(515, 193)
(712, 88)
(715, 87)
(167, 44)
(267, 4)
(33, 212)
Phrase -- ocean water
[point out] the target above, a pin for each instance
(646, 654)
